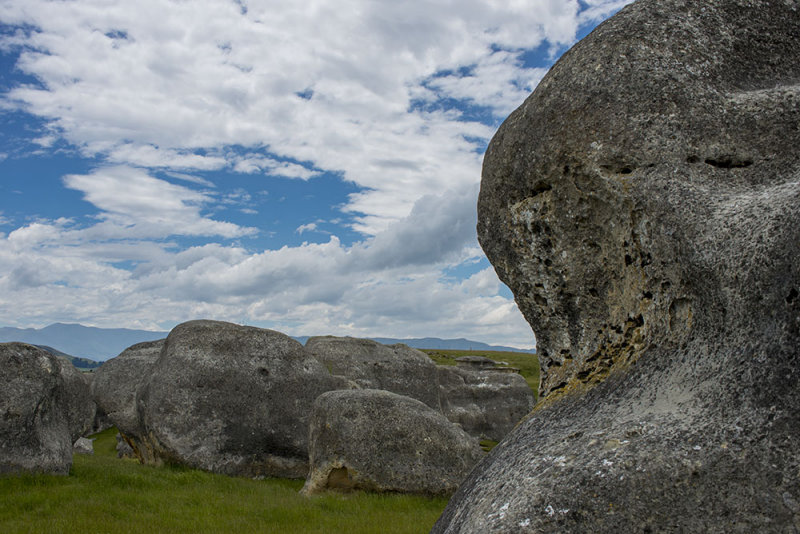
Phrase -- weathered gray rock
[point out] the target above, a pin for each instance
(396, 368)
(83, 446)
(479, 362)
(80, 405)
(380, 441)
(116, 382)
(231, 399)
(124, 449)
(487, 402)
(34, 422)
(644, 207)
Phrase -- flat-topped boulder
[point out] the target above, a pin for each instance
(396, 368)
(643, 205)
(379, 441)
(487, 402)
(231, 399)
(34, 418)
(475, 362)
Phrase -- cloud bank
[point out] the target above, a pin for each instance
(398, 99)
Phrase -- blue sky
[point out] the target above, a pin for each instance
(309, 167)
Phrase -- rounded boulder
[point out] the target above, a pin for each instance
(231, 399)
(379, 441)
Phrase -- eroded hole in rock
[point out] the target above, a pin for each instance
(729, 162)
(340, 479)
(792, 296)
(540, 188)
(263, 371)
(693, 159)
(618, 169)
(540, 300)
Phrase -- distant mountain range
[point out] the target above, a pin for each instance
(97, 344)
(436, 343)
(84, 364)
(100, 344)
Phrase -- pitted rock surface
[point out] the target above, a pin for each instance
(34, 418)
(643, 205)
(116, 382)
(231, 399)
(397, 368)
(380, 441)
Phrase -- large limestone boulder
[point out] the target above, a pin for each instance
(380, 441)
(34, 420)
(81, 408)
(116, 382)
(486, 401)
(231, 399)
(396, 368)
(644, 207)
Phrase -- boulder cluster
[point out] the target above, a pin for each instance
(342, 412)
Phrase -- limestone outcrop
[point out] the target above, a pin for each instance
(396, 368)
(116, 382)
(34, 419)
(643, 205)
(380, 441)
(80, 406)
(231, 399)
(486, 401)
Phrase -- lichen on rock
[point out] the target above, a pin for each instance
(643, 205)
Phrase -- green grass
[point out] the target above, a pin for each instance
(528, 364)
(105, 494)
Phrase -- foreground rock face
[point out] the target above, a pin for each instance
(644, 207)
(487, 402)
(380, 441)
(231, 399)
(396, 368)
(34, 420)
(116, 382)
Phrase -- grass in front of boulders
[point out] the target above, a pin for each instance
(106, 494)
(527, 363)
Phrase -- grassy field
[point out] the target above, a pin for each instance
(104, 494)
(528, 364)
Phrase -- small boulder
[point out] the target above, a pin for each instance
(396, 368)
(34, 422)
(83, 446)
(487, 402)
(231, 399)
(380, 441)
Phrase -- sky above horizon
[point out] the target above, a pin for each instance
(307, 167)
